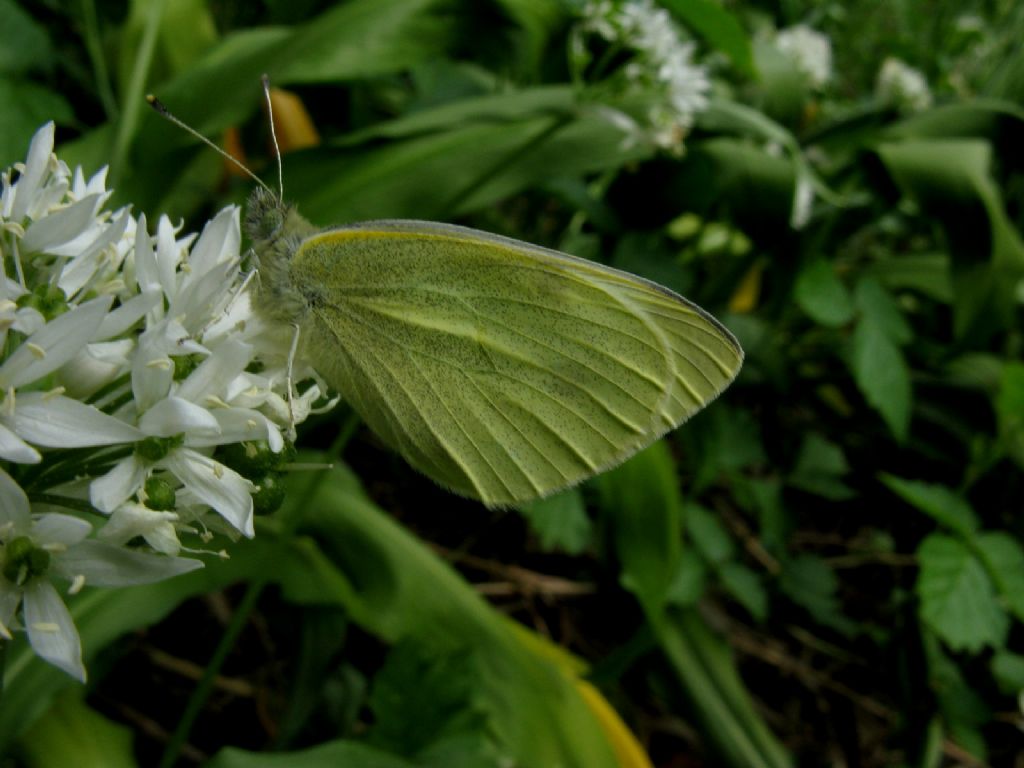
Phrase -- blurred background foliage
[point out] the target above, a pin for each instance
(824, 567)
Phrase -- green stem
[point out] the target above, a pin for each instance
(94, 46)
(453, 205)
(129, 121)
(202, 692)
(244, 610)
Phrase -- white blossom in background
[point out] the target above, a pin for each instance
(810, 51)
(900, 84)
(143, 350)
(662, 64)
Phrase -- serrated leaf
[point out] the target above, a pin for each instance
(872, 299)
(1010, 410)
(422, 700)
(709, 536)
(560, 521)
(1003, 556)
(937, 501)
(810, 583)
(963, 709)
(882, 375)
(746, 588)
(958, 601)
(689, 583)
(819, 467)
(1008, 671)
(821, 294)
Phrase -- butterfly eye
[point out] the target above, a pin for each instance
(270, 223)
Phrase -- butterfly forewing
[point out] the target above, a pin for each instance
(502, 370)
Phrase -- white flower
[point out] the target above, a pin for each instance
(40, 547)
(143, 355)
(810, 50)
(663, 69)
(902, 85)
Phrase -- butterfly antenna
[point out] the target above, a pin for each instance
(157, 105)
(273, 136)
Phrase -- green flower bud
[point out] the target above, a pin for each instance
(270, 495)
(159, 494)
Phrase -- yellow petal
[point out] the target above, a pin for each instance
(627, 749)
(292, 123)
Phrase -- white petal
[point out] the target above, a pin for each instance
(213, 375)
(60, 226)
(218, 243)
(107, 565)
(89, 259)
(216, 485)
(13, 504)
(50, 629)
(238, 424)
(13, 448)
(39, 152)
(173, 415)
(60, 340)
(152, 370)
(146, 274)
(168, 254)
(60, 422)
(127, 315)
(132, 519)
(113, 489)
(59, 529)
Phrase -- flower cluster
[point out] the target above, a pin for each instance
(902, 85)
(809, 50)
(662, 64)
(141, 400)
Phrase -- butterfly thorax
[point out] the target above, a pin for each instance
(276, 231)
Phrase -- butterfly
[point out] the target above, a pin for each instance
(502, 370)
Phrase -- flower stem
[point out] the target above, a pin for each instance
(244, 610)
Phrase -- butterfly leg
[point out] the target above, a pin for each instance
(290, 382)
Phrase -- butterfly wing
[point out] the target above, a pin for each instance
(502, 370)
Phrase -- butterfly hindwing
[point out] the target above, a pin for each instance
(502, 370)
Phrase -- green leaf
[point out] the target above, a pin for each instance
(689, 583)
(881, 373)
(36, 105)
(963, 709)
(24, 44)
(709, 536)
(822, 295)
(1003, 557)
(872, 299)
(328, 755)
(746, 588)
(560, 521)
(951, 180)
(926, 273)
(71, 733)
(424, 701)
(642, 504)
(399, 590)
(1009, 405)
(820, 465)
(958, 600)
(936, 501)
(720, 28)
(1008, 671)
(809, 582)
